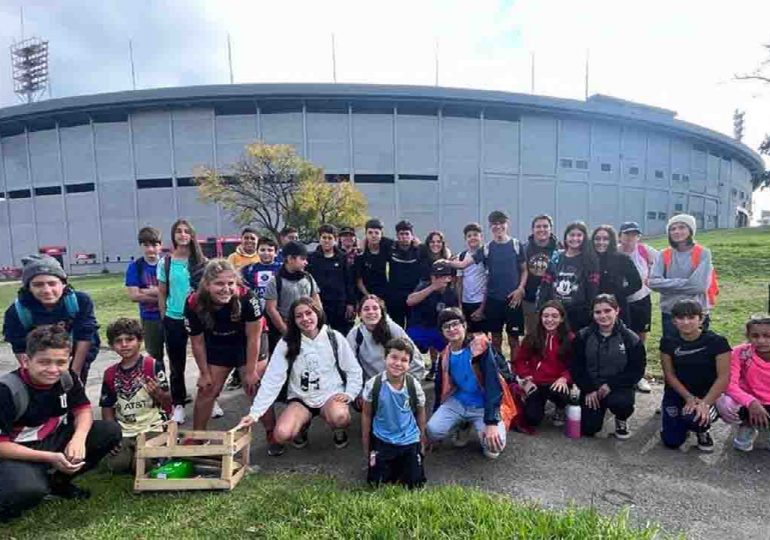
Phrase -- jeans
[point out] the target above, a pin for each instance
(24, 484)
(176, 347)
(675, 424)
(619, 401)
(452, 413)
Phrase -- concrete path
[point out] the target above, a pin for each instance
(718, 495)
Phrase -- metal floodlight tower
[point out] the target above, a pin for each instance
(29, 59)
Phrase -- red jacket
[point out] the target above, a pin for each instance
(545, 368)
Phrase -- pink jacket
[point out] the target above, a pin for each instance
(749, 377)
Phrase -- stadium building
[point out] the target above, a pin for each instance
(87, 172)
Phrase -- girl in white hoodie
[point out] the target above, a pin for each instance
(321, 375)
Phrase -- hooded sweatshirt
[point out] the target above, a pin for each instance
(239, 258)
(314, 376)
(538, 258)
(681, 281)
(749, 376)
(333, 277)
(617, 360)
(573, 281)
(619, 277)
(371, 355)
(545, 367)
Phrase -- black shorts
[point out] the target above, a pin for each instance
(640, 313)
(231, 361)
(500, 314)
(314, 411)
(392, 464)
(473, 326)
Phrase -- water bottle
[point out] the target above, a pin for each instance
(180, 468)
(572, 424)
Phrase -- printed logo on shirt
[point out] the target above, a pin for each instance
(538, 264)
(63, 400)
(567, 284)
(682, 352)
(622, 347)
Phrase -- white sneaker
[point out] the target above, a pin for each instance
(744, 438)
(216, 411)
(178, 415)
(644, 386)
(491, 455)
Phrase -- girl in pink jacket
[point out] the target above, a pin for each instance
(747, 399)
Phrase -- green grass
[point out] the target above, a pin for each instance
(298, 506)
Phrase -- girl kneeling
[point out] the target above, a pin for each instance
(542, 364)
(322, 373)
(607, 360)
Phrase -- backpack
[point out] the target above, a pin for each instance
(411, 390)
(485, 250)
(148, 370)
(712, 291)
(20, 394)
(25, 315)
(196, 273)
(335, 350)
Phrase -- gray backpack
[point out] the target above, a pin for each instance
(20, 394)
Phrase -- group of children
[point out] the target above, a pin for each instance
(345, 327)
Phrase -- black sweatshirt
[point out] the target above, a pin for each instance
(333, 276)
(619, 277)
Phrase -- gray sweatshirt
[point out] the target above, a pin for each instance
(371, 355)
(681, 282)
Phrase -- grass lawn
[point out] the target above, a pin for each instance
(294, 506)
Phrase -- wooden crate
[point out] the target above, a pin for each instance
(225, 450)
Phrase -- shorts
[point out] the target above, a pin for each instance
(392, 464)
(425, 338)
(314, 411)
(640, 313)
(499, 314)
(225, 360)
(473, 326)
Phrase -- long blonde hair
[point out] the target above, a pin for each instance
(205, 305)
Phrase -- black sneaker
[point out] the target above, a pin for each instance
(300, 441)
(273, 448)
(705, 442)
(68, 490)
(234, 382)
(340, 438)
(621, 429)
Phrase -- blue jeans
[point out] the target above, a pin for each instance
(668, 328)
(452, 413)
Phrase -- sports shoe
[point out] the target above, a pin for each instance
(489, 454)
(68, 490)
(216, 411)
(234, 382)
(705, 442)
(460, 435)
(178, 415)
(300, 441)
(273, 448)
(744, 438)
(558, 417)
(643, 386)
(621, 429)
(340, 438)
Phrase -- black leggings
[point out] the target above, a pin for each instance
(176, 349)
(24, 484)
(619, 401)
(534, 406)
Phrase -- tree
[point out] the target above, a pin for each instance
(317, 202)
(260, 188)
(761, 74)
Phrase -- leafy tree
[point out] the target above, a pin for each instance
(761, 74)
(259, 189)
(317, 202)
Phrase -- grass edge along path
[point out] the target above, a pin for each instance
(300, 506)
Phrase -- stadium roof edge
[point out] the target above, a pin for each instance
(600, 106)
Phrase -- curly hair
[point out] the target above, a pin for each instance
(52, 336)
(124, 325)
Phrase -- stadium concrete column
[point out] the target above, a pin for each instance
(646, 173)
(31, 186)
(670, 202)
(351, 148)
(520, 186)
(7, 201)
(396, 202)
(97, 191)
(440, 115)
(132, 158)
(304, 131)
(65, 212)
(216, 166)
(590, 179)
(481, 166)
(174, 191)
(556, 179)
(621, 177)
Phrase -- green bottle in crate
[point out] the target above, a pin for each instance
(179, 468)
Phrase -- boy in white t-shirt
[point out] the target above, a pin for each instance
(471, 284)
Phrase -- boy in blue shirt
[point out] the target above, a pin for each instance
(393, 421)
(255, 276)
(142, 288)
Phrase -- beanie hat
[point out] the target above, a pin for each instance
(38, 265)
(294, 248)
(687, 219)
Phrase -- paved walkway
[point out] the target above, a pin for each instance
(723, 494)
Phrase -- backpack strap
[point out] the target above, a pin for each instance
(376, 388)
(109, 377)
(336, 350)
(24, 315)
(67, 383)
(139, 265)
(645, 253)
(667, 255)
(695, 255)
(148, 366)
(71, 304)
(359, 342)
(411, 391)
(167, 271)
(19, 393)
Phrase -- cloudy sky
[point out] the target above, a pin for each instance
(677, 54)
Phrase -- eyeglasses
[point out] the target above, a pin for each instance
(451, 325)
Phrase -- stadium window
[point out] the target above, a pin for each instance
(186, 182)
(652, 215)
(79, 188)
(633, 171)
(662, 216)
(735, 192)
(152, 183)
(375, 178)
(50, 190)
(2, 196)
(676, 177)
(336, 178)
(565, 163)
(20, 194)
(678, 207)
(606, 167)
(417, 177)
(581, 164)
(658, 174)
(685, 178)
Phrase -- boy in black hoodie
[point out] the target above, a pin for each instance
(538, 251)
(328, 267)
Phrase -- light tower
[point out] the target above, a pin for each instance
(29, 59)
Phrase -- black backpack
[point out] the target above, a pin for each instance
(20, 394)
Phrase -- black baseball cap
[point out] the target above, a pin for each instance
(347, 231)
(441, 269)
(630, 226)
(294, 248)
